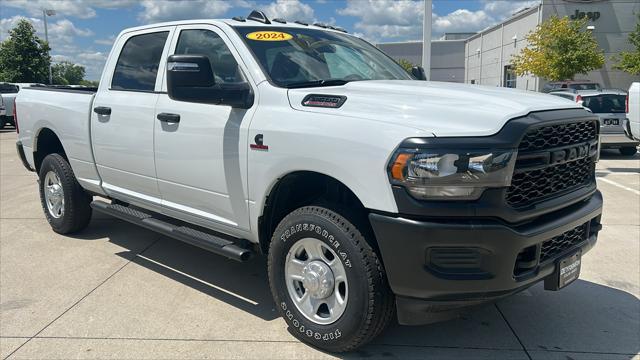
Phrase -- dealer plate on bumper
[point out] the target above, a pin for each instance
(567, 271)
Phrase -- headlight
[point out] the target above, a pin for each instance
(451, 175)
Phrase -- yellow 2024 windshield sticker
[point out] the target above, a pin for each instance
(269, 36)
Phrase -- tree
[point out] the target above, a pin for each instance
(559, 49)
(406, 64)
(67, 73)
(90, 83)
(629, 61)
(24, 57)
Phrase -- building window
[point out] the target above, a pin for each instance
(509, 77)
(473, 81)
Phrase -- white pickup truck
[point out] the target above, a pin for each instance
(368, 190)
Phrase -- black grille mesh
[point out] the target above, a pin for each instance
(564, 241)
(529, 187)
(546, 137)
(532, 186)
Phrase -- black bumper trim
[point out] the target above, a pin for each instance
(22, 156)
(404, 244)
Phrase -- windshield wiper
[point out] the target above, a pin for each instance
(315, 83)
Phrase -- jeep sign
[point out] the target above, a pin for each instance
(591, 15)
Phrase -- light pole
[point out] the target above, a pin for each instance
(45, 13)
(426, 38)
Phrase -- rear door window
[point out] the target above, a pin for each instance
(8, 89)
(605, 103)
(137, 66)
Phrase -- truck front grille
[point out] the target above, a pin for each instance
(538, 177)
(546, 137)
(537, 185)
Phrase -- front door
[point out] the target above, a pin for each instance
(201, 159)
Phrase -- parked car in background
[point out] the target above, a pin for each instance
(8, 93)
(571, 85)
(610, 108)
(633, 112)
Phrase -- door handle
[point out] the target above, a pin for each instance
(167, 117)
(102, 110)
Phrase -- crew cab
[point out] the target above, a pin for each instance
(368, 190)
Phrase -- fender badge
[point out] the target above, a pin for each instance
(259, 144)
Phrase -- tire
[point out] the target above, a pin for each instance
(73, 212)
(369, 303)
(628, 150)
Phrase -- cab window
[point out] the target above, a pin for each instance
(137, 66)
(206, 42)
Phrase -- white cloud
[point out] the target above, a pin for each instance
(386, 18)
(402, 19)
(61, 32)
(63, 48)
(83, 9)
(167, 10)
(108, 41)
(291, 10)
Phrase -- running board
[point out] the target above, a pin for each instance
(189, 235)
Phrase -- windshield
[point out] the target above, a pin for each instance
(605, 103)
(587, 86)
(299, 57)
(8, 89)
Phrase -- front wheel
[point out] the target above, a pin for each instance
(327, 281)
(628, 150)
(65, 203)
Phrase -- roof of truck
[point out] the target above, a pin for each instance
(230, 22)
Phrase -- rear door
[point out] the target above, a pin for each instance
(123, 116)
(201, 160)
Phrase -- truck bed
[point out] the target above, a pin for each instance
(65, 111)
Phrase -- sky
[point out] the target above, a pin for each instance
(82, 31)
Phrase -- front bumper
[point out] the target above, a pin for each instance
(436, 265)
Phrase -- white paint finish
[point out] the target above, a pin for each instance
(64, 113)
(201, 160)
(123, 141)
(353, 150)
(445, 109)
(634, 109)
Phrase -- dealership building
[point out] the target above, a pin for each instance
(485, 58)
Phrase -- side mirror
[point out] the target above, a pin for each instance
(418, 73)
(190, 78)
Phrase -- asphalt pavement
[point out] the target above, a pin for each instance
(119, 291)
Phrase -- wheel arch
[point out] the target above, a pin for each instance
(302, 188)
(46, 142)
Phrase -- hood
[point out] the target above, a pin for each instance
(438, 108)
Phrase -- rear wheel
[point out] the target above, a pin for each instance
(327, 281)
(628, 150)
(64, 202)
